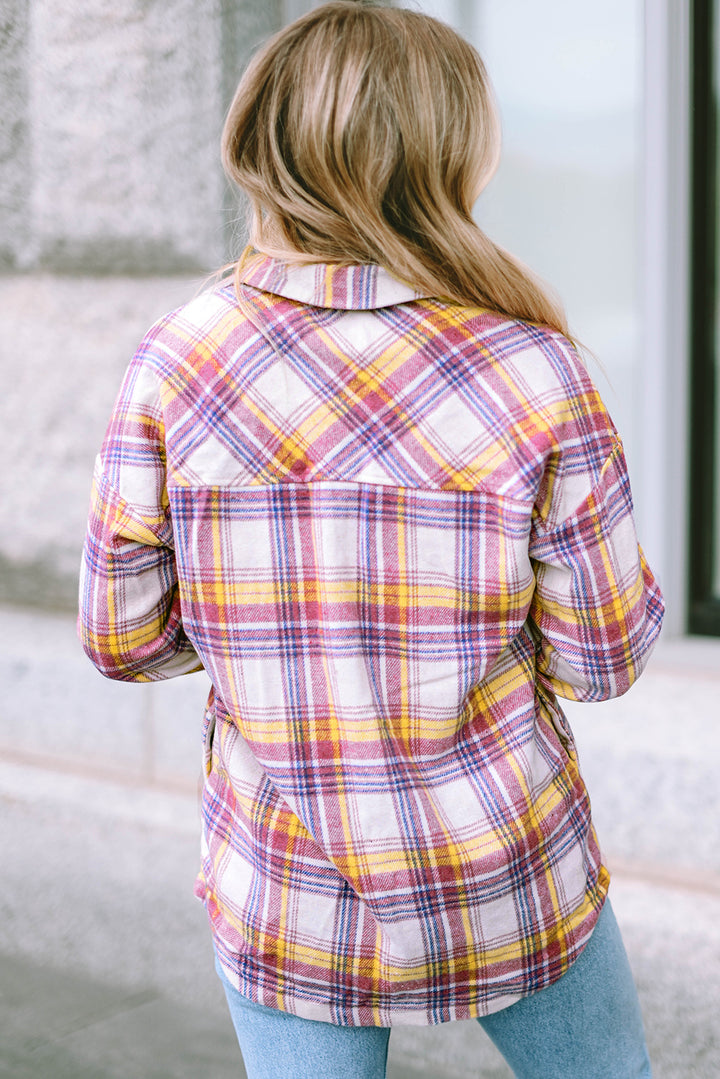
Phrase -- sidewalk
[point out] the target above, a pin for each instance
(105, 968)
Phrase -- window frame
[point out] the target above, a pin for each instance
(703, 542)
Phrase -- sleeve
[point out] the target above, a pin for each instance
(129, 621)
(597, 609)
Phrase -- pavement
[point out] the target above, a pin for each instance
(105, 962)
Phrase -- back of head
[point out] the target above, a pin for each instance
(363, 134)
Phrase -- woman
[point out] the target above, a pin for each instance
(370, 488)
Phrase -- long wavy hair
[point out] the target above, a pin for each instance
(364, 134)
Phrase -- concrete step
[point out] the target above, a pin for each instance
(105, 959)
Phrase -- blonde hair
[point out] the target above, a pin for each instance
(364, 134)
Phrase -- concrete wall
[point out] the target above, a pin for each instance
(113, 209)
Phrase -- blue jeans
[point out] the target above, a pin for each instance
(587, 1025)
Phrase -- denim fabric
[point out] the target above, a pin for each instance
(277, 1045)
(587, 1025)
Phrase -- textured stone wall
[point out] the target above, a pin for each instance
(125, 112)
(14, 129)
(113, 209)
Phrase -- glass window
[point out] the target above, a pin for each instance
(568, 79)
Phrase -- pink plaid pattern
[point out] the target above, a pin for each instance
(393, 530)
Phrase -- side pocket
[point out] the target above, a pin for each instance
(554, 713)
(208, 732)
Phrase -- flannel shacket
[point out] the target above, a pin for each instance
(393, 530)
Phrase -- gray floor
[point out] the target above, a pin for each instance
(105, 968)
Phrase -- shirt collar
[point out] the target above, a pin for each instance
(352, 288)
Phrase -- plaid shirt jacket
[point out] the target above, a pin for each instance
(392, 530)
